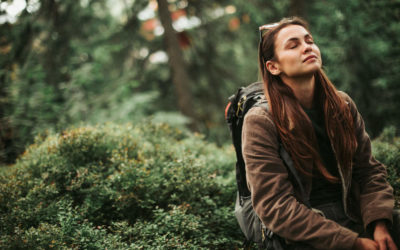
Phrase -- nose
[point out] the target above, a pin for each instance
(307, 47)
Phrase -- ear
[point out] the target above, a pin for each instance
(273, 67)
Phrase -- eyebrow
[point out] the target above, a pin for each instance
(296, 39)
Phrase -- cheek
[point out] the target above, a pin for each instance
(316, 49)
(289, 58)
(292, 63)
(319, 54)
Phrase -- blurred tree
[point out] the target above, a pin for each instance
(359, 45)
(62, 60)
(224, 54)
(180, 76)
(14, 49)
(40, 47)
(91, 61)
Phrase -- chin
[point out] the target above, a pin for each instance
(306, 73)
(313, 69)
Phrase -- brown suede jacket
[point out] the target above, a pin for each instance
(367, 196)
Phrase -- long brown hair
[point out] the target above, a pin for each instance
(292, 123)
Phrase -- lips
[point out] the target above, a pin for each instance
(309, 57)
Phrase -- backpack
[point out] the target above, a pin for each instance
(252, 227)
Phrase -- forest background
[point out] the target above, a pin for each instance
(69, 65)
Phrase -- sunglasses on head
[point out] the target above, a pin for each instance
(265, 28)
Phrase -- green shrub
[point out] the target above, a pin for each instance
(111, 186)
(386, 149)
(148, 186)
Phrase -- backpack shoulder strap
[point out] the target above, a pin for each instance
(289, 164)
(263, 103)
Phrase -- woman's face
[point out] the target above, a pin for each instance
(296, 54)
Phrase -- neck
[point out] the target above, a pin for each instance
(303, 88)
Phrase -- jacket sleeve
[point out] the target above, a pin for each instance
(273, 194)
(376, 194)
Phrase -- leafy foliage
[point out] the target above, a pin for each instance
(54, 74)
(132, 186)
(357, 40)
(120, 186)
(386, 149)
(75, 62)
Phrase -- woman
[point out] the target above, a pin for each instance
(325, 135)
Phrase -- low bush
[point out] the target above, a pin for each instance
(111, 186)
(386, 149)
(146, 186)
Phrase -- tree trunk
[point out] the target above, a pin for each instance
(9, 149)
(6, 135)
(180, 77)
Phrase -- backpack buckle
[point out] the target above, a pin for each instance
(240, 105)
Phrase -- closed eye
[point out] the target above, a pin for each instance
(309, 39)
(292, 45)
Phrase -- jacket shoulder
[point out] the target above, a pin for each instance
(258, 123)
(345, 96)
(261, 114)
(349, 101)
(259, 111)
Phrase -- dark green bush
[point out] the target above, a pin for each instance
(386, 149)
(144, 186)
